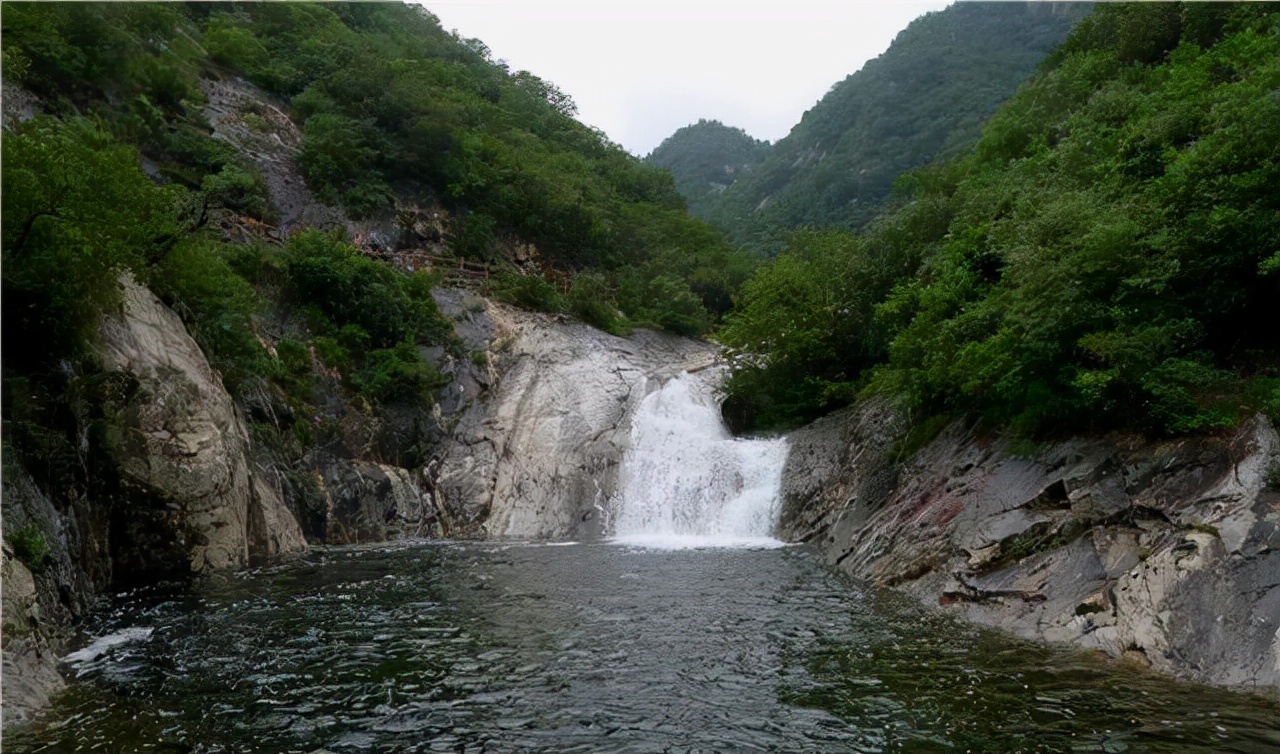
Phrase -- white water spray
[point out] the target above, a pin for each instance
(687, 482)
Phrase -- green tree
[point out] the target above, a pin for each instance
(78, 212)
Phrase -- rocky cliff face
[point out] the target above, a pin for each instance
(531, 432)
(536, 457)
(1165, 553)
(168, 491)
(48, 584)
(181, 452)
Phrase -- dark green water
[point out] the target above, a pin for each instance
(599, 648)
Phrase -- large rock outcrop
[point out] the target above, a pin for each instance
(272, 142)
(1166, 553)
(536, 456)
(181, 452)
(160, 486)
(375, 502)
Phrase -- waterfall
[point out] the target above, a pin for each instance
(686, 481)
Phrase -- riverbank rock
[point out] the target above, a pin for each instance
(536, 455)
(370, 502)
(54, 564)
(181, 452)
(1163, 552)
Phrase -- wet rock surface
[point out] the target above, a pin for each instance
(536, 455)
(369, 502)
(1166, 553)
(162, 486)
(43, 591)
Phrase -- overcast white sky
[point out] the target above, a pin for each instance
(640, 69)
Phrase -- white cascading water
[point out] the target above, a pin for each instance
(686, 481)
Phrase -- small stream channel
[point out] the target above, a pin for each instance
(690, 631)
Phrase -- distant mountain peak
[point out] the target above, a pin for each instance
(925, 97)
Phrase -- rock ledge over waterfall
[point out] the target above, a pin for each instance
(536, 455)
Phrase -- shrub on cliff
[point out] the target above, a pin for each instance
(398, 375)
(347, 287)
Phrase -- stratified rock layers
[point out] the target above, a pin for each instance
(1167, 553)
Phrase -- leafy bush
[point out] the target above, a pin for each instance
(216, 303)
(239, 189)
(335, 156)
(30, 546)
(529, 291)
(366, 198)
(332, 353)
(663, 301)
(294, 366)
(77, 213)
(802, 332)
(398, 375)
(591, 300)
(233, 46)
(351, 289)
(473, 236)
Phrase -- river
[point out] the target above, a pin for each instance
(597, 647)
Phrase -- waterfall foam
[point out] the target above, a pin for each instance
(686, 481)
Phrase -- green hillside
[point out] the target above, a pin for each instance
(706, 158)
(926, 96)
(120, 173)
(1107, 256)
(392, 109)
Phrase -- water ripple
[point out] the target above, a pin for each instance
(593, 648)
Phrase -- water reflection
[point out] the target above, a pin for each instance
(598, 648)
(931, 684)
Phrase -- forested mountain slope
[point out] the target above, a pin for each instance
(281, 176)
(1107, 256)
(926, 96)
(389, 119)
(390, 108)
(706, 158)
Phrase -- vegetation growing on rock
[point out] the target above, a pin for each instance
(1106, 255)
(321, 344)
(925, 97)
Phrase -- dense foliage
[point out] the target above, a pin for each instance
(389, 100)
(77, 213)
(1108, 254)
(390, 106)
(926, 96)
(706, 158)
(121, 175)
